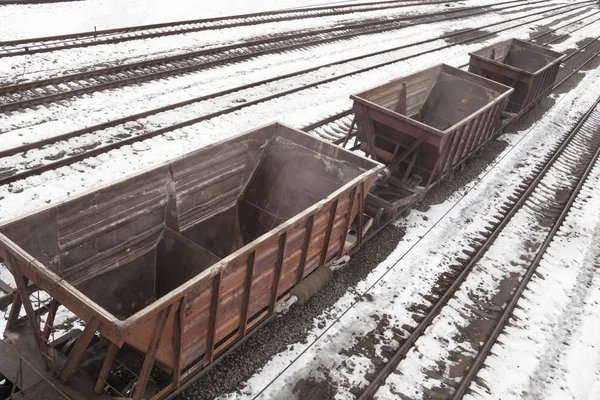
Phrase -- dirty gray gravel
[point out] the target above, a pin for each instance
(235, 369)
(293, 327)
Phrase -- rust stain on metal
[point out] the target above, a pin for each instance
(528, 68)
(445, 114)
(198, 250)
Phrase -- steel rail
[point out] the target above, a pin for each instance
(275, 316)
(67, 39)
(272, 317)
(133, 117)
(8, 297)
(508, 310)
(383, 226)
(133, 139)
(403, 350)
(20, 95)
(236, 346)
(345, 113)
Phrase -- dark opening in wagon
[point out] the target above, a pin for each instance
(530, 69)
(423, 125)
(182, 260)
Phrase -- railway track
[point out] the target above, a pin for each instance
(77, 151)
(42, 92)
(6, 292)
(335, 128)
(109, 36)
(544, 202)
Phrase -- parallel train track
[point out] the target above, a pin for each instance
(336, 127)
(546, 198)
(46, 91)
(577, 144)
(11, 175)
(571, 139)
(117, 35)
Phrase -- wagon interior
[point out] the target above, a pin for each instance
(528, 68)
(519, 54)
(439, 97)
(410, 119)
(131, 243)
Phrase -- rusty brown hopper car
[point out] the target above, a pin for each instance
(530, 69)
(181, 261)
(422, 125)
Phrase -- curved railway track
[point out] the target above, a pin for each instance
(546, 198)
(28, 94)
(109, 36)
(77, 152)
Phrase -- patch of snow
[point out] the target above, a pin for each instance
(427, 249)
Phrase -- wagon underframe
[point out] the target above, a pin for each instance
(204, 294)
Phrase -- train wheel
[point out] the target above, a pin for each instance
(5, 388)
(151, 389)
(68, 347)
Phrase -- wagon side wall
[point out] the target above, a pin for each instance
(530, 87)
(223, 307)
(439, 151)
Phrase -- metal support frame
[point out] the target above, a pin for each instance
(348, 221)
(106, 366)
(49, 325)
(277, 272)
(151, 354)
(332, 212)
(247, 288)
(74, 356)
(21, 282)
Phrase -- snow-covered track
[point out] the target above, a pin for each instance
(117, 35)
(529, 220)
(335, 128)
(20, 162)
(28, 94)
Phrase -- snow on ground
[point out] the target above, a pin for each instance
(78, 118)
(43, 65)
(297, 109)
(6, 276)
(551, 351)
(24, 21)
(432, 242)
(505, 260)
(133, 99)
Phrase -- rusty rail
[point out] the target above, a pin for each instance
(519, 198)
(338, 120)
(45, 91)
(107, 36)
(10, 178)
(508, 310)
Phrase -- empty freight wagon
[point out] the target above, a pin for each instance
(530, 69)
(181, 261)
(424, 124)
